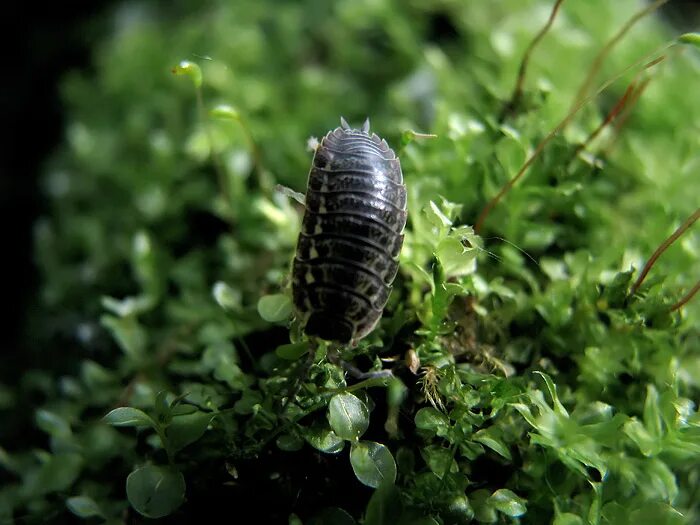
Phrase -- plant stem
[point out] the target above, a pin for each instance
(661, 249)
(522, 71)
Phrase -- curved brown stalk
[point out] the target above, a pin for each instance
(607, 48)
(518, 89)
(686, 298)
(661, 249)
(568, 118)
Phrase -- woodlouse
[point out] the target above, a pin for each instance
(351, 235)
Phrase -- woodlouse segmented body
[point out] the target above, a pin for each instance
(351, 235)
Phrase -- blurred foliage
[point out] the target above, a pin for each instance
(527, 387)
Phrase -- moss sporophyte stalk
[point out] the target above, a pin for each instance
(531, 356)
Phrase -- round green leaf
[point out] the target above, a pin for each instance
(83, 507)
(348, 416)
(186, 429)
(385, 507)
(275, 308)
(507, 502)
(290, 442)
(324, 439)
(373, 463)
(129, 417)
(226, 297)
(155, 491)
(459, 511)
(332, 516)
(52, 423)
(485, 437)
(567, 518)
(429, 418)
(292, 351)
(484, 512)
(192, 70)
(690, 38)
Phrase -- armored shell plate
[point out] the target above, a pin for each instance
(351, 236)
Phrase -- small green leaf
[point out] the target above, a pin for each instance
(484, 512)
(129, 417)
(510, 153)
(182, 409)
(162, 407)
(652, 414)
(332, 516)
(437, 216)
(384, 507)
(275, 308)
(690, 38)
(637, 432)
(324, 439)
(552, 388)
(459, 511)
(440, 460)
(292, 351)
(507, 502)
(128, 333)
(186, 429)
(290, 442)
(566, 518)
(83, 507)
(372, 463)
(485, 437)
(192, 70)
(221, 359)
(56, 474)
(656, 513)
(225, 111)
(457, 259)
(52, 423)
(348, 416)
(226, 297)
(155, 491)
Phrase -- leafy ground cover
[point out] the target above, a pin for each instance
(536, 377)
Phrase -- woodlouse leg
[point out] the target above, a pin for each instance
(289, 192)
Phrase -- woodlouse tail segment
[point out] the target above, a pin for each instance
(365, 126)
(329, 327)
(344, 125)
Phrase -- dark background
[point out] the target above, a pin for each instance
(39, 45)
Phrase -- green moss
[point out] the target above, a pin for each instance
(545, 393)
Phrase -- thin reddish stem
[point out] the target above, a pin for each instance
(622, 119)
(662, 248)
(569, 117)
(686, 298)
(607, 48)
(612, 114)
(522, 71)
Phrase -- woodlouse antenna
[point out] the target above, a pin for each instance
(515, 97)
(661, 249)
(344, 123)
